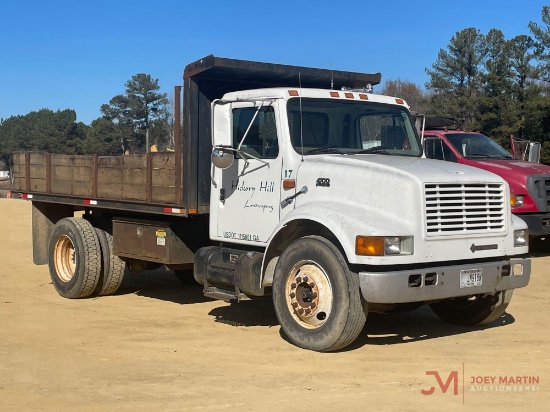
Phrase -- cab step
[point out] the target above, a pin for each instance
(224, 294)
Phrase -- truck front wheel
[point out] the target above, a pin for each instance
(473, 310)
(316, 298)
(74, 258)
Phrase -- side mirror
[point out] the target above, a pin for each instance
(222, 158)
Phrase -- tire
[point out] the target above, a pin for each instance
(185, 276)
(473, 310)
(317, 299)
(112, 267)
(74, 258)
(539, 244)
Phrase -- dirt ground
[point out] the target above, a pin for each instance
(160, 346)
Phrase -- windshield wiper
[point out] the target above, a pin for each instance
(376, 150)
(324, 149)
(488, 156)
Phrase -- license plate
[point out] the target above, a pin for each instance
(470, 278)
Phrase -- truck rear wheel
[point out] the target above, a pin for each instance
(74, 258)
(185, 276)
(112, 267)
(473, 310)
(316, 298)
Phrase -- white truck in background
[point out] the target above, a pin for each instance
(293, 182)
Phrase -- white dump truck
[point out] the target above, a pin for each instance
(288, 181)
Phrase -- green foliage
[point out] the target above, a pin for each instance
(123, 126)
(542, 41)
(410, 92)
(455, 77)
(498, 86)
(45, 130)
(142, 108)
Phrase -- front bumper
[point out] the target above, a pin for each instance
(434, 283)
(537, 223)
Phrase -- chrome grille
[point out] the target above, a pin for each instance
(453, 208)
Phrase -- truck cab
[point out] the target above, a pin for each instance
(279, 136)
(529, 182)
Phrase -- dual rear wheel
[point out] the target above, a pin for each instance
(81, 262)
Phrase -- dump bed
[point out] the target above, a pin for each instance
(148, 178)
(164, 182)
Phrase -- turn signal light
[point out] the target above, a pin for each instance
(369, 245)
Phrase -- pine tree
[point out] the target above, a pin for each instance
(135, 112)
(455, 77)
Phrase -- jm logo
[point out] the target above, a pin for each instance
(451, 379)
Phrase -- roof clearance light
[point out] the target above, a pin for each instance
(399, 101)
(363, 97)
(349, 95)
(293, 92)
(334, 94)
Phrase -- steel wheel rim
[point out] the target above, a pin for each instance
(65, 258)
(309, 294)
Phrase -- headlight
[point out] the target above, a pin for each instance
(521, 237)
(383, 245)
(516, 200)
(392, 245)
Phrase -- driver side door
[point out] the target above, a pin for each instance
(247, 197)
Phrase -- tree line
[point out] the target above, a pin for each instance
(128, 123)
(494, 85)
(491, 84)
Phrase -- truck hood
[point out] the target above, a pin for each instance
(408, 168)
(516, 173)
(511, 169)
(376, 195)
(383, 187)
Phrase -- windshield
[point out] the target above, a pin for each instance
(477, 146)
(350, 127)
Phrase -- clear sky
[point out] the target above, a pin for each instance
(78, 54)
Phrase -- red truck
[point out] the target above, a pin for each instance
(529, 182)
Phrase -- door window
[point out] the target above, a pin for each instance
(258, 128)
(436, 148)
